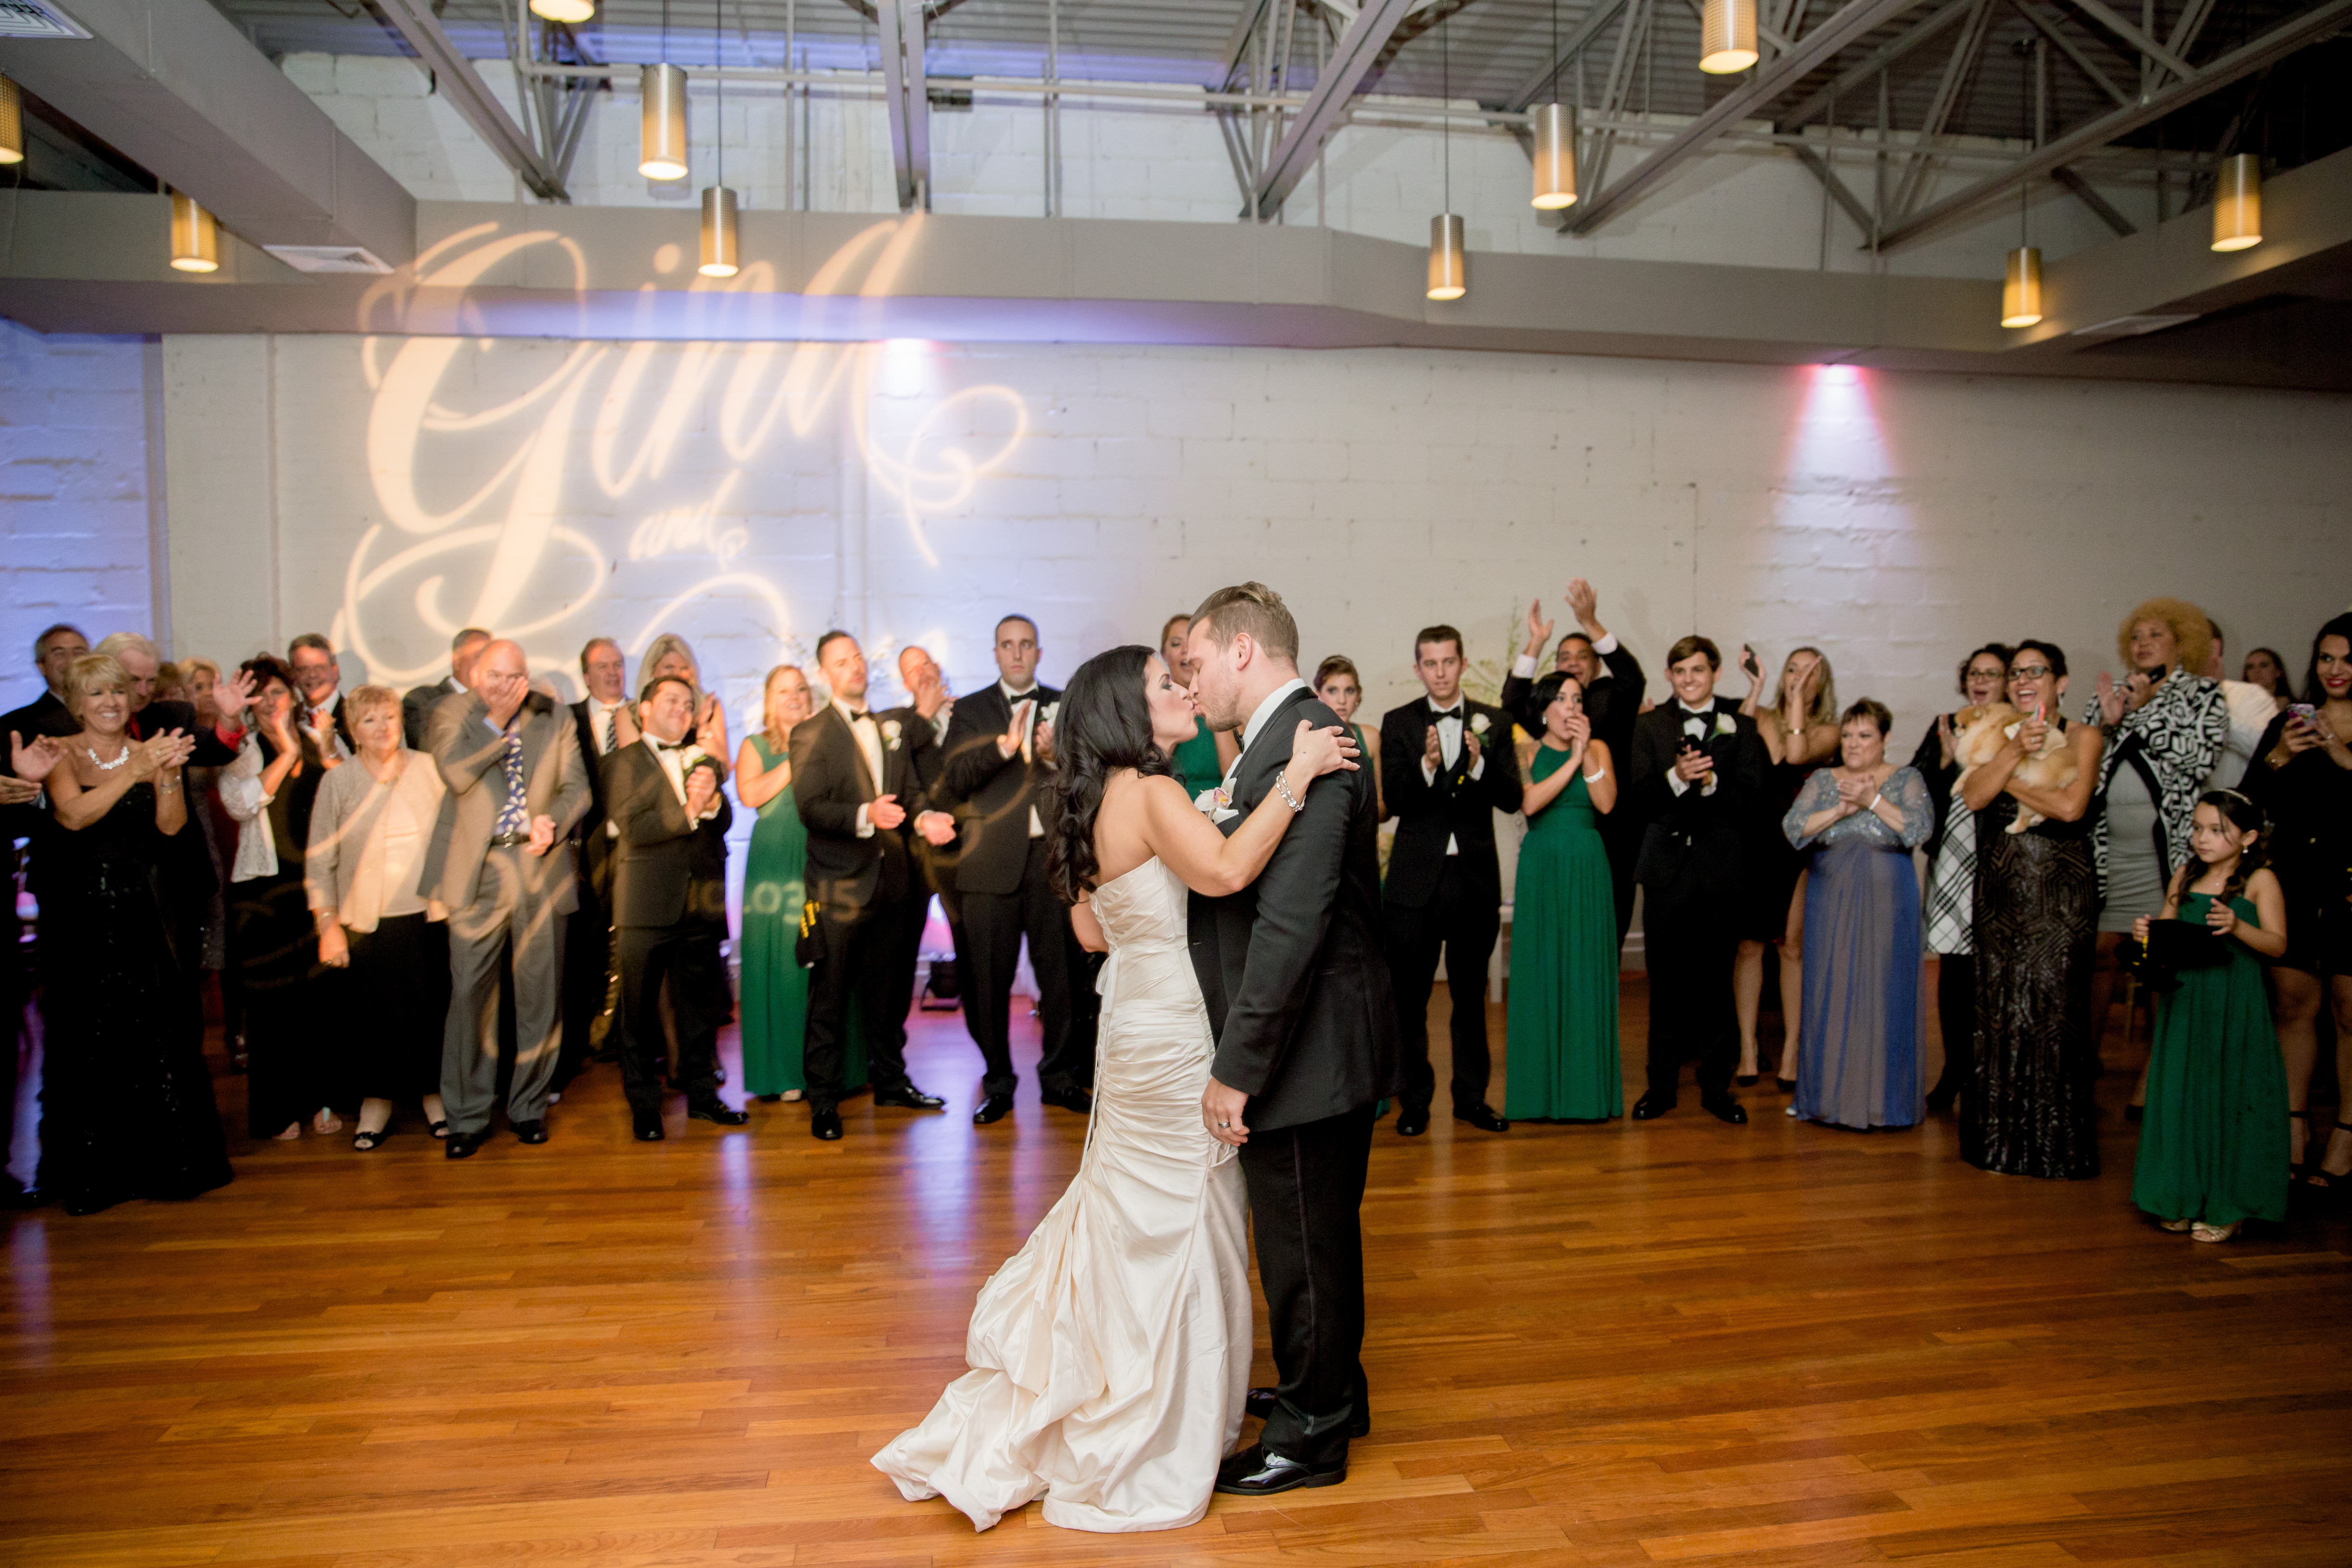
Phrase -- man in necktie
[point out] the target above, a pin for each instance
(501, 858)
(857, 782)
(1695, 778)
(1447, 766)
(589, 997)
(317, 678)
(999, 752)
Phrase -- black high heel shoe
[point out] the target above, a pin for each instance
(1746, 1079)
(2301, 1168)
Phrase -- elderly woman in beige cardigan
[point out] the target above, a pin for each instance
(368, 831)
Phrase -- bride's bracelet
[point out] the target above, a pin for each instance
(1282, 788)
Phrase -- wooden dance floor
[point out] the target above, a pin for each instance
(1625, 1344)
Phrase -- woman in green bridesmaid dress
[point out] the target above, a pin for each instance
(775, 987)
(1561, 1047)
(2213, 1138)
(1343, 691)
(1200, 763)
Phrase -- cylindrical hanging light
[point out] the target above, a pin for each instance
(564, 10)
(196, 238)
(1554, 128)
(2021, 295)
(1726, 37)
(11, 123)
(1449, 264)
(718, 232)
(2238, 203)
(661, 132)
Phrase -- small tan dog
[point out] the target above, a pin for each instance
(1988, 729)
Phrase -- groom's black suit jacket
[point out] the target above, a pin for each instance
(1290, 967)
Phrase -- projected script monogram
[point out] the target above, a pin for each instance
(519, 503)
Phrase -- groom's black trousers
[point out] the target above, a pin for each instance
(1305, 1189)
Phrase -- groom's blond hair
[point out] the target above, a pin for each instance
(1254, 608)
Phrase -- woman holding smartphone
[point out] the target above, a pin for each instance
(2302, 778)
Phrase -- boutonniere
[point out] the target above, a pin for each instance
(1051, 712)
(890, 733)
(1216, 804)
(1725, 725)
(689, 755)
(1480, 724)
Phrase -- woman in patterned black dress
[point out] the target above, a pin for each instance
(2026, 1110)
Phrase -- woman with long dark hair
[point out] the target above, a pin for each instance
(1110, 1355)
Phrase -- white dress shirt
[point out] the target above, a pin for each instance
(2251, 709)
(868, 735)
(1259, 717)
(672, 766)
(1449, 745)
(1028, 729)
(1699, 723)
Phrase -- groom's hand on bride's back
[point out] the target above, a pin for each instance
(1220, 1113)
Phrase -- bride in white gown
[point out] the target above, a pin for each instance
(1110, 1355)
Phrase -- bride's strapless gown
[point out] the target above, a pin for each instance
(1110, 1355)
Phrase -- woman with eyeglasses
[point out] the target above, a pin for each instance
(2027, 1110)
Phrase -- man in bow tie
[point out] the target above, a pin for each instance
(1695, 778)
(857, 782)
(1446, 766)
(999, 752)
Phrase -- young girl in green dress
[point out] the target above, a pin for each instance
(2212, 1144)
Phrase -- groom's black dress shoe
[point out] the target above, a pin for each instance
(1412, 1123)
(1482, 1117)
(1260, 1403)
(993, 1108)
(1650, 1107)
(647, 1125)
(717, 1112)
(1256, 1472)
(906, 1097)
(1723, 1107)
(531, 1132)
(825, 1123)
(1073, 1099)
(461, 1145)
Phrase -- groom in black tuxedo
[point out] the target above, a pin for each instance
(1297, 995)
(1696, 777)
(859, 784)
(1447, 766)
(1000, 750)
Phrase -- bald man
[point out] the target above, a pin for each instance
(501, 858)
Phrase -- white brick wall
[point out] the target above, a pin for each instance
(1141, 160)
(73, 493)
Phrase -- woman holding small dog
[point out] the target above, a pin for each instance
(2027, 1110)
(1951, 851)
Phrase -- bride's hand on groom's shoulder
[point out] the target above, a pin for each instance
(1325, 751)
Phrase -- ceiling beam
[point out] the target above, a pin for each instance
(1327, 103)
(471, 97)
(2105, 16)
(2088, 194)
(907, 98)
(1580, 38)
(2070, 49)
(1237, 44)
(1767, 81)
(2263, 49)
(1854, 76)
(1820, 169)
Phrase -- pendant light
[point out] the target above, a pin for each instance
(1553, 127)
(196, 238)
(2021, 294)
(2238, 203)
(661, 129)
(1726, 37)
(11, 123)
(564, 10)
(1449, 263)
(717, 201)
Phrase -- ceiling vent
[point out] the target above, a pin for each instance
(325, 258)
(2130, 326)
(38, 19)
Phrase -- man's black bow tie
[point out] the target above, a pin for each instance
(670, 745)
(1453, 713)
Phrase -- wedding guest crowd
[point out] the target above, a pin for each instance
(485, 891)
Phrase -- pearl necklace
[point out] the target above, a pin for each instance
(92, 752)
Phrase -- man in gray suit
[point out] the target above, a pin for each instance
(500, 859)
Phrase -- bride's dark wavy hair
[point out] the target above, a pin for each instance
(1105, 724)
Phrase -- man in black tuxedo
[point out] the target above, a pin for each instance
(416, 706)
(668, 868)
(591, 1001)
(999, 749)
(1695, 778)
(54, 652)
(1446, 765)
(317, 678)
(1298, 1000)
(1614, 684)
(860, 792)
(935, 864)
